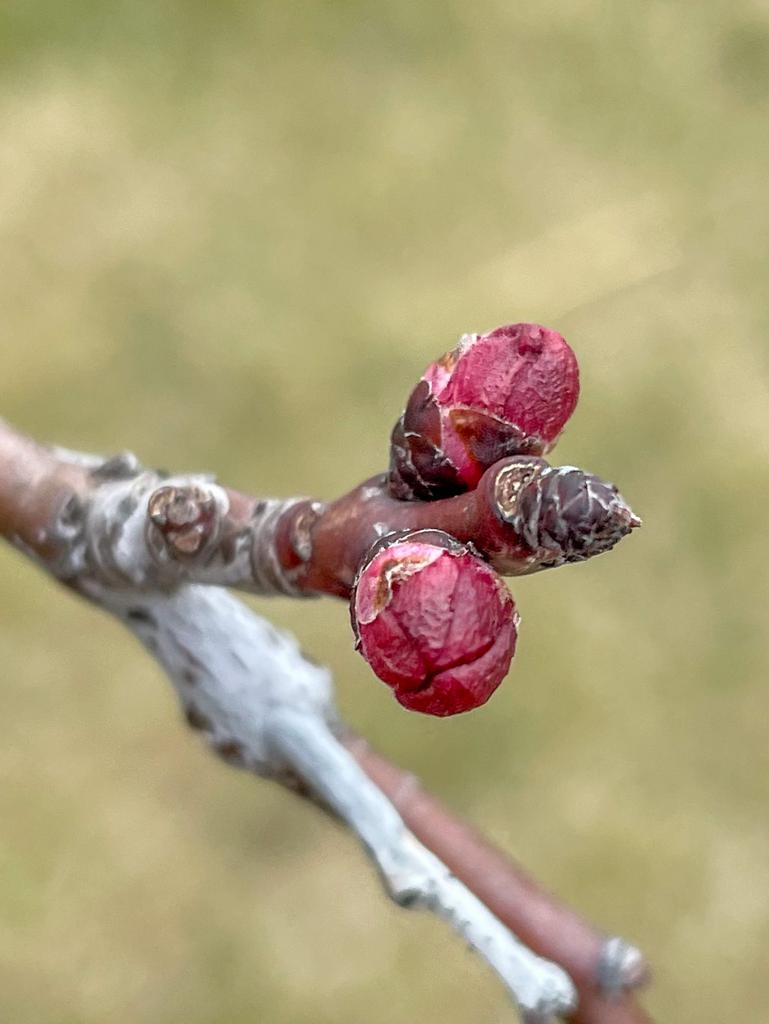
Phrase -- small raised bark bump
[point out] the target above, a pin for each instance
(184, 518)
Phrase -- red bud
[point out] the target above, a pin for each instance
(435, 623)
(508, 392)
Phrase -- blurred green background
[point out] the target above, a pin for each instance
(233, 235)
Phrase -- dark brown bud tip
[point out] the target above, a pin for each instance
(562, 513)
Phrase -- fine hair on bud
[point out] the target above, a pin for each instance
(434, 621)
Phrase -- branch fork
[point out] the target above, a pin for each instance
(161, 552)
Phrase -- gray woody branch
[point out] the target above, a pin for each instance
(130, 541)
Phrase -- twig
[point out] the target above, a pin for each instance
(300, 546)
(95, 526)
(603, 968)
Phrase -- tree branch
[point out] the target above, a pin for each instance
(130, 544)
(605, 969)
(300, 546)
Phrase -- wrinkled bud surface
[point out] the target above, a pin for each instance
(508, 392)
(434, 622)
(563, 514)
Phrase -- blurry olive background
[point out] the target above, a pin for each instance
(232, 237)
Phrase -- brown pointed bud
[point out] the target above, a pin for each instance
(504, 393)
(434, 622)
(561, 513)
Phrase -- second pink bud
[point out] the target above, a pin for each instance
(434, 622)
(508, 392)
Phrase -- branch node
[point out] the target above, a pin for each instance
(269, 574)
(182, 520)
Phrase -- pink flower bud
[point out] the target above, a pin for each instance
(434, 622)
(508, 392)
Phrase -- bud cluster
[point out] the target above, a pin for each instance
(431, 617)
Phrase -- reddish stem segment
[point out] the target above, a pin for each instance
(322, 546)
(34, 485)
(542, 922)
